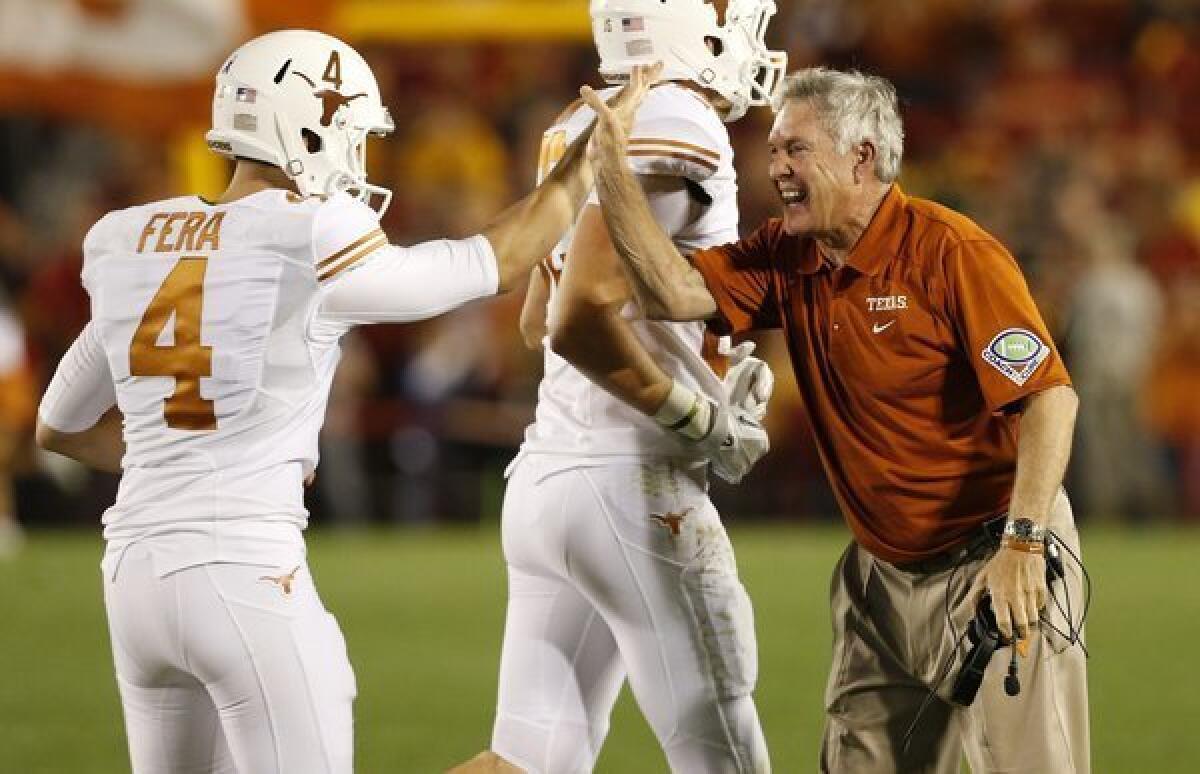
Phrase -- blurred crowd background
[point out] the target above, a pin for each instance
(1068, 128)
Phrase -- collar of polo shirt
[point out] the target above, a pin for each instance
(878, 245)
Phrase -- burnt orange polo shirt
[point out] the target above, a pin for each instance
(907, 358)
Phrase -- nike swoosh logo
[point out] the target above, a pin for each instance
(877, 328)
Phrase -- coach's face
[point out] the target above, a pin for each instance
(816, 184)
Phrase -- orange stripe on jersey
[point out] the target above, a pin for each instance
(700, 149)
(680, 156)
(349, 248)
(379, 241)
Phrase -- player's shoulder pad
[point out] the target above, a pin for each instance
(676, 133)
(576, 118)
(101, 233)
(113, 228)
(118, 229)
(345, 232)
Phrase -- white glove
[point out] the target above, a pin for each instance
(735, 354)
(736, 442)
(731, 437)
(749, 381)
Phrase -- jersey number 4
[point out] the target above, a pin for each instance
(186, 360)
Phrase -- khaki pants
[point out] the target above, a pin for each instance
(891, 643)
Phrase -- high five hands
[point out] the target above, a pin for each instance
(614, 120)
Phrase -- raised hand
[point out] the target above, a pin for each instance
(736, 442)
(614, 120)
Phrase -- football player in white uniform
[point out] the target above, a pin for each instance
(214, 333)
(618, 564)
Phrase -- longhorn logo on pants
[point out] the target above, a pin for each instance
(671, 521)
(283, 581)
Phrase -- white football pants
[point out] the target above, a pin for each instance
(229, 668)
(619, 571)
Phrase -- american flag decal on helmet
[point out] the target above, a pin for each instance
(633, 24)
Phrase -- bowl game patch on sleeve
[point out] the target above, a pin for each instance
(1016, 353)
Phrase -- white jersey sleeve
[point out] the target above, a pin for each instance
(671, 136)
(676, 134)
(672, 205)
(346, 234)
(403, 284)
(94, 244)
(364, 279)
(82, 390)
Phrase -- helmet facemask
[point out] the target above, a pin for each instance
(340, 163)
(765, 68)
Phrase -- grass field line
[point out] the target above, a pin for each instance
(423, 614)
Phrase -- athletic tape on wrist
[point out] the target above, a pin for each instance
(685, 411)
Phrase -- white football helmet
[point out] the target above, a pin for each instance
(304, 102)
(731, 59)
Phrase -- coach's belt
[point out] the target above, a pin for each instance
(985, 536)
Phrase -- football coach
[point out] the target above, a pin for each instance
(943, 415)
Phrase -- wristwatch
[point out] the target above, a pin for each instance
(1024, 531)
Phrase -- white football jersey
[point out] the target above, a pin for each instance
(215, 330)
(676, 133)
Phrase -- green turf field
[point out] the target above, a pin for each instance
(423, 611)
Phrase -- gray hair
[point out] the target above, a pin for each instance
(854, 108)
